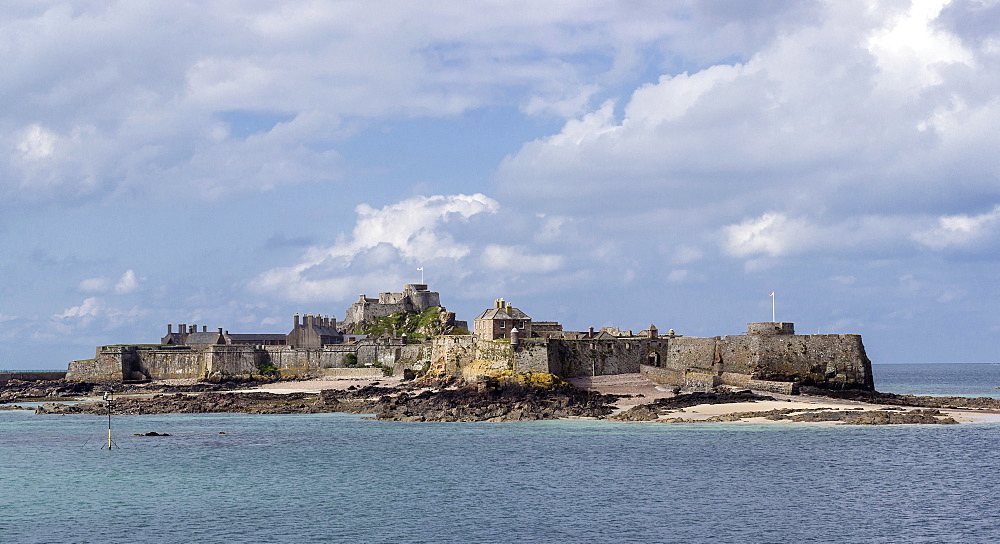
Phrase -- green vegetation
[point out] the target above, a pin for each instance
(351, 360)
(267, 369)
(414, 325)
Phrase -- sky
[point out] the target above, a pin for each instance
(232, 163)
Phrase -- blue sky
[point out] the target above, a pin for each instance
(596, 163)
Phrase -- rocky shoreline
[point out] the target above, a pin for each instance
(669, 410)
(445, 401)
(522, 397)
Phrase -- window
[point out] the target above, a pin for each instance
(503, 324)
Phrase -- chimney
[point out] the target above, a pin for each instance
(590, 332)
(170, 329)
(204, 328)
(296, 320)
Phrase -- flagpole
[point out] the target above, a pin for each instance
(773, 320)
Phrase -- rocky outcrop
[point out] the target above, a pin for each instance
(874, 397)
(853, 416)
(19, 391)
(666, 411)
(34, 391)
(495, 403)
(511, 398)
(663, 407)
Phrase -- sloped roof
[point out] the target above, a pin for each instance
(251, 337)
(502, 313)
(202, 338)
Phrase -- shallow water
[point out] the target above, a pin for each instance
(335, 477)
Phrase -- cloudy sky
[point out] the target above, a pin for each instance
(596, 163)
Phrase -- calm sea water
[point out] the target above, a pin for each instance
(337, 478)
(949, 379)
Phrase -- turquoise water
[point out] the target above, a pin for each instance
(338, 478)
(335, 477)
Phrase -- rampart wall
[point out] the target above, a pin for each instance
(368, 311)
(772, 362)
(575, 358)
(117, 363)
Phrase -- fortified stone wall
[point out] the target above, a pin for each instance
(424, 299)
(98, 369)
(662, 375)
(684, 352)
(224, 361)
(368, 311)
(770, 328)
(770, 362)
(448, 353)
(575, 358)
(301, 362)
(414, 298)
(115, 363)
(534, 355)
(411, 357)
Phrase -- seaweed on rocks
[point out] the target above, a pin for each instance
(664, 406)
(492, 400)
(919, 401)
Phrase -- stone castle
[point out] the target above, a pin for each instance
(769, 357)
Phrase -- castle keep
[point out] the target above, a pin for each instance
(414, 298)
(769, 357)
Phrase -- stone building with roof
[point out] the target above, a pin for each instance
(500, 320)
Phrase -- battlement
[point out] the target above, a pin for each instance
(770, 329)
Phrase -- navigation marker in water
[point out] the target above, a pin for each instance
(107, 398)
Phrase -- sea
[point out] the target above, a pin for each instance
(343, 478)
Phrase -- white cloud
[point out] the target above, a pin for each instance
(90, 307)
(36, 143)
(771, 234)
(842, 126)
(94, 285)
(95, 311)
(127, 284)
(385, 243)
(678, 276)
(517, 260)
(147, 83)
(961, 231)
(909, 49)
